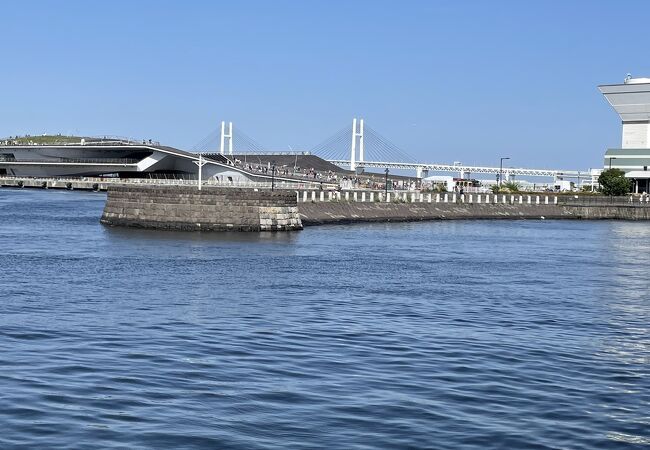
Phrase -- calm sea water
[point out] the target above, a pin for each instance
(456, 335)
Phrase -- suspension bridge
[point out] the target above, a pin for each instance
(359, 146)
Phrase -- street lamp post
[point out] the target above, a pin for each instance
(200, 162)
(273, 176)
(610, 161)
(386, 185)
(501, 169)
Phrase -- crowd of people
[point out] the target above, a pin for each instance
(287, 171)
(311, 174)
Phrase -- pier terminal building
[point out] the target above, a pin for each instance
(104, 156)
(631, 100)
(122, 158)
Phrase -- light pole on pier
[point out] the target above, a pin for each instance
(201, 162)
(386, 185)
(272, 176)
(501, 169)
(610, 161)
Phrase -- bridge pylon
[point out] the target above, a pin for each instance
(224, 136)
(357, 134)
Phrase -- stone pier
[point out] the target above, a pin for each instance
(211, 209)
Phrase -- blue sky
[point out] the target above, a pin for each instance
(446, 81)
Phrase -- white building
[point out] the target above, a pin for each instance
(631, 100)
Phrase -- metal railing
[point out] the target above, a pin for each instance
(92, 140)
(424, 197)
(600, 200)
(270, 153)
(74, 160)
(161, 182)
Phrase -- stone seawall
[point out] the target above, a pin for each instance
(211, 209)
(349, 212)
(224, 209)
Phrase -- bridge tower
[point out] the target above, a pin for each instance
(225, 136)
(357, 133)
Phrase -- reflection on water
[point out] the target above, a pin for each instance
(156, 236)
(478, 334)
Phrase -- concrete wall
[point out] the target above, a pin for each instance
(636, 135)
(349, 212)
(211, 209)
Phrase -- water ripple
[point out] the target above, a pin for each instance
(473, 335)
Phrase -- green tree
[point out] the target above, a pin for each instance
(613, 182)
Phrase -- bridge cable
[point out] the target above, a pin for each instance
(330, 148)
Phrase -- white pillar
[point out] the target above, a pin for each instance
(230, 140)
(338, 195)
(226, 135)
(313, 196)
(372, 196)
(347, 196)
(304, 196)
(353, 149)
(413, 197)
(453, 198)
(322, 196)
(388, 197)
(478, 198)
(555, 200)
(223, 137)
(446, 198)
(361, 140)
(546, 199)
(470, 198)
(363, 196)
(529, 199)
(521, 199)
(354, 196)
(200, 171)
(537, 199)
(429, 197)
(329, 195)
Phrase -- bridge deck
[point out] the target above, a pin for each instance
(470, 169)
